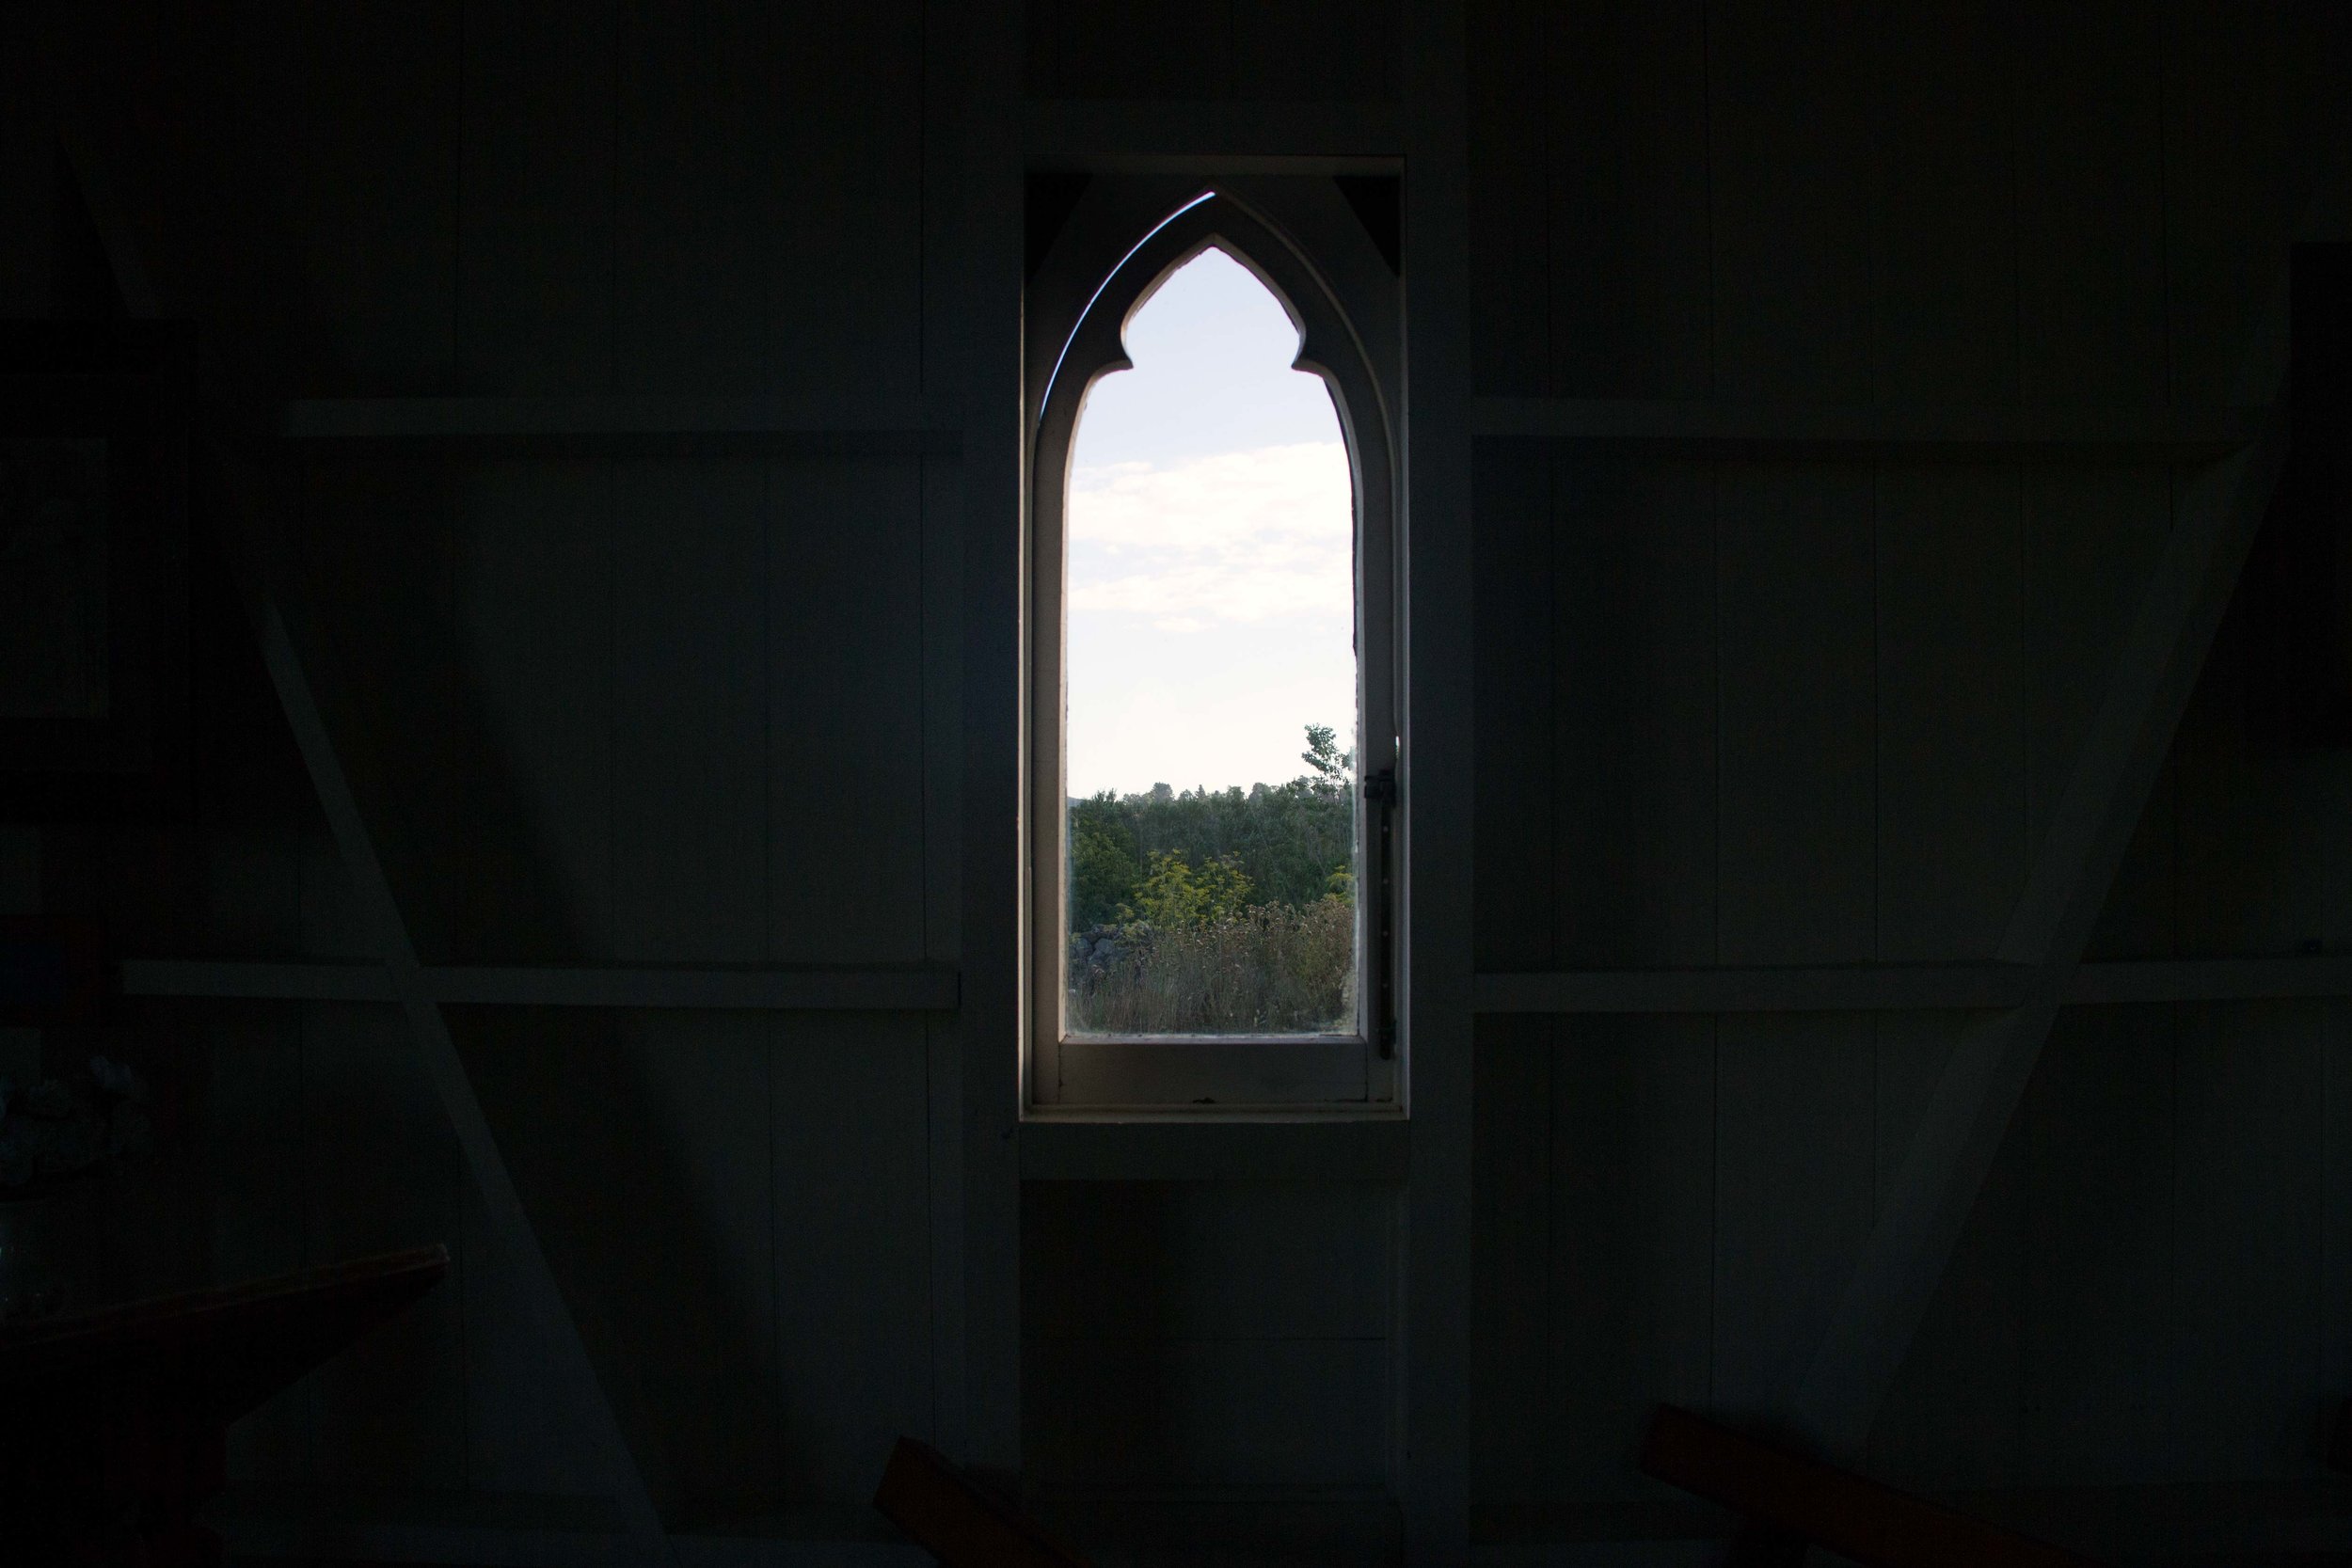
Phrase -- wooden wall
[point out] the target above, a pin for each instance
(1728, 712)
(1747, 712)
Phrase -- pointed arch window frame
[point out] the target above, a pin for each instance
(1096, 276)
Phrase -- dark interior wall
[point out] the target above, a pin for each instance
(1742, 712)
(674, 709)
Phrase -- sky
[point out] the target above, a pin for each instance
(1212, 581)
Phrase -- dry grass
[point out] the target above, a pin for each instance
(1275, 969)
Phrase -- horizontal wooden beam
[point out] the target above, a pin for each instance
(2156, 433)
(2211, 980)
(604, 425)
(1855, 988)
(1896, 988)
(910, 989)
(1144, 136)
(1177, 1147)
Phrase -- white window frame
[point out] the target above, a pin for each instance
(1297, 234)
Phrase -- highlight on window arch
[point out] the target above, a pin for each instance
(1211, 678)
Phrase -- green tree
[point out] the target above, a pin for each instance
(1104, 866)
(1174, 897)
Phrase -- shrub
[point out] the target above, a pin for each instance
(1271, 968)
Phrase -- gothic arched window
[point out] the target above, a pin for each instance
(1210, 636)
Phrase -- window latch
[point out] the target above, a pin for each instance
(1380, 788)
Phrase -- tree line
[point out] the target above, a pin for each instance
(1201, 856)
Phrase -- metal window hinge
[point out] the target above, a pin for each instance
(1380, 788)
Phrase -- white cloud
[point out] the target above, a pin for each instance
(1245, 536)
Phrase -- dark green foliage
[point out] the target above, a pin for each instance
(1288, 841)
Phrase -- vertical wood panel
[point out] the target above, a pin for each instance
(1953, 1417)
(690, 720)
(696, 195)
(365, 166)
(534, 591)
(1634, 1266)
(1633, 767)
(1147, 49)
(845, 723)
(383, 1172)
(846, 291)
(2236, 177)
(1315, 51)
(851, 1247)
(1795, 1113)
(1629, 228)
(535, 214)
(1951, 823)
(1798, 802)
(1794, 1157)
(1510, 211)
(1792, 145)
(2098, 1121)
(255, 1125)
(2245, 1363)
(1514, 1416)
(1945, 257)
(2090, 222)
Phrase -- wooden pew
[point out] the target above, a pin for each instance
(958, 1522)
(1792, 1500)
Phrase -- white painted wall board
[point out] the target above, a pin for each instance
(255, 1127)
(1510, 208)
(1222, 1413)
(2090, 537)
(1146, 51)
(2098, 1122)
(1638, 739)
(1517, 777)
(381, 1172)
(1795, 1154)
(846, 300)
(698, 1326)
(1315, 50)
(1515, 1413)
(2335, 1222)
(517, 1436)
(845, 723)
(372, 552)
(942, 546)
(536, 183)
(1206, 1260)
(1796, 764)
(1952, 1418)
(2236, 177)
(1952, 849)
(1428, 1457)
(534, 599)
(1944, 256)
(981, 49)
(2247, 1171)
(29, 163)
(1630, 234)
(851, 1247)
(697, 194)
(2087, 85)
(363, 165)
(1637, 1185)
(1790, 105)
(690, 863)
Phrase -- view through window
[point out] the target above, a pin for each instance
(1209, 740)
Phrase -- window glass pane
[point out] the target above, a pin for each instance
(1209, 740)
